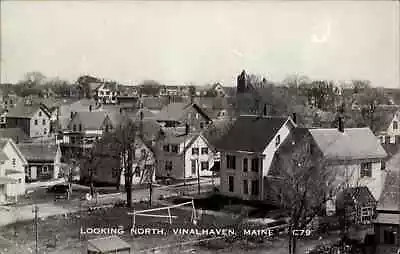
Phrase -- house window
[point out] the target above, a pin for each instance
(143, 153)
(255, 164)
(45, 131)
(395, 125)
(40, 113)
(19, 180)
(231, 162)
(114, 173)
(74, 127)
(383, 165)
(14, 162)
(278, 140)
(254, 188)
(44, 121)
(168, 165)
(137, 172)
(204, 165)
(366, 215)
(166, 148)
(36, 122)
(193, 167)
(245, 164)
(389, 237)
(195, 151)
(245, 187)
(80, 127)
(174, 148)
(231, 183)
(366, 169)
(204, 150)
(201, 125)
(45, 170)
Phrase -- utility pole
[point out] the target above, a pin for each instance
(184, 153)
(35, 210)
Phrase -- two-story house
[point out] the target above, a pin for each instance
(185, 156)
(390, 132)
(247, 150)
(177, 114)
(12, 174)
(84, 129)
(43, 161)
(355, 155)
(387, 223)
(34, 120)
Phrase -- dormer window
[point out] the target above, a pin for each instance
(278, 140)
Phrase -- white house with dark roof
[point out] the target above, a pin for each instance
(247, 151)
(12, 171)
(185, 156)
(355, 155)
(177, 114)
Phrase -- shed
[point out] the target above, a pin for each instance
(111, 244)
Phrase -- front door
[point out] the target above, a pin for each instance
(33, 172)
(2, 193)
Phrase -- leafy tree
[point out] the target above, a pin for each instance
(83, 84)
(301, 184)
(150, 87)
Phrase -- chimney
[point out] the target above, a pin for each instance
(294, 118)
(186, 129)
(90, 108)
(340, 124)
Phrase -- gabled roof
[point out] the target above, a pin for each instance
(390, 197)
(91, 120)
(361, 194)
(38, 151)
(175, 111)
(353, 144)
(5, 141)
(3, 156)
(25, 111)
(251, 133)
(16, 134)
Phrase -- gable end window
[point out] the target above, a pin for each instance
(195, 151)
(36, 122)
(395, 125)
(174, 148)
(278, 140)
(40, 113)
(204, 150)
(366, 169)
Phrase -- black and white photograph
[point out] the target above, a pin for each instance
(199, 127)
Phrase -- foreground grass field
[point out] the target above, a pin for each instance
(62, 234)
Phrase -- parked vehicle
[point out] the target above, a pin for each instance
(58, 188)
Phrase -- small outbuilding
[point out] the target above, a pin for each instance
(111, 244)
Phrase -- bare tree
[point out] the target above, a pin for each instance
(303, 186)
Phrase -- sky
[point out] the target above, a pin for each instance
(200, 42)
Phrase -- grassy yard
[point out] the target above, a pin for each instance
(65, 233)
